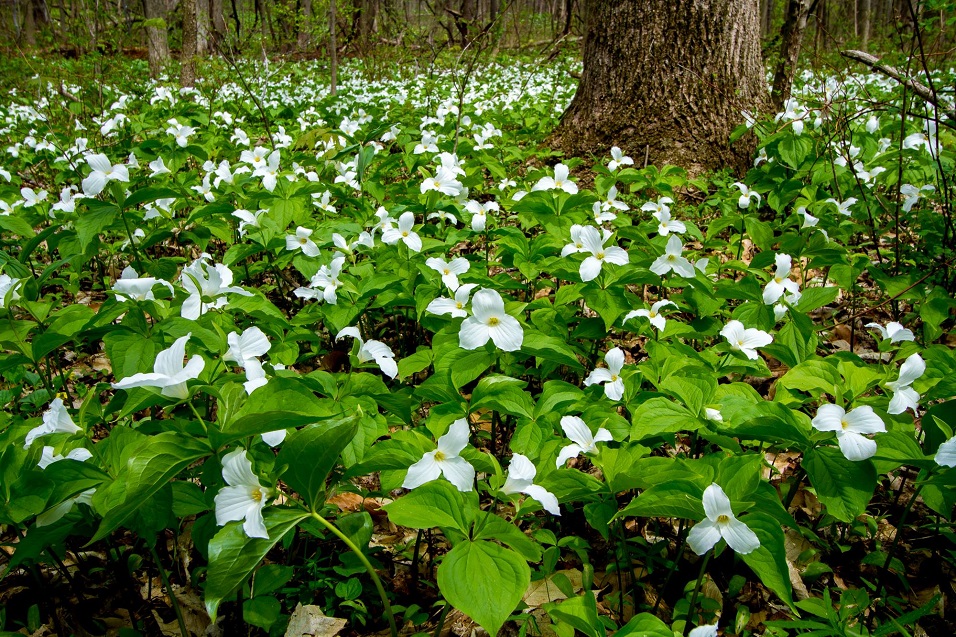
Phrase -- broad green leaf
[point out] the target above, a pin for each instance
(145, 195)
(813, 375)
(436, 503)
(504, 394)
(661, 416)
(92, 222)
(311, 453)
(844, 486)
(485, 581)
(233, 556)
(579, 612)
(694, 391)
(550, 348)
(489, 526)
(675, 500)
(148, 470)
(644, 625)
(769, 561)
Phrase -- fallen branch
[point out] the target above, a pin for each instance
(920, 89)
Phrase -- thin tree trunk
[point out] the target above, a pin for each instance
(187, 72)
(29, 24)
(794, 25)
(202, 27)
(333, 48)
(865, 8)
(235, 19)
(157, 43)
(303, 41)
(693, 66)
(217, 19)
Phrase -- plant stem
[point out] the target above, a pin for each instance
(368, 566)
(693, 598)
(169, 589)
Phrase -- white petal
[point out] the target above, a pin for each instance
(739, 536)
(703, 537)
(545, 497)
(863, 420)
(855, 446)
(590, 268)
(507, 334)
(946, 455)
(455, 439)
(425, 470)
(459, 472)
(232, 504)
(521, 468)
(254, 525)
(568, 452)
(473, 333)
(829, 418)
(716, 502)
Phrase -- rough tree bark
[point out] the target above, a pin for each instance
(187, 70)
(794, 25)
(157, 41)
(218, 20)
(202, 27)
(304, 37)
(669, 78)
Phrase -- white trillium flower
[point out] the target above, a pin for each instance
(577, 241)
(612, 202)
(456, 306)
(809, 220)
(245, 350)
(843, 207)
(9, 287)
(444, 182)
(721, 523)
(521, 473)
(592, 241)
(560, 181)
(47, 457)
(850, 428)
(618, 159)
(904, 396)
(247, 219)
(579, 434)
(157, 167)
(746, 196)
(445, 460)
(672, 261)
(404, 232)
(169, 373)
(369, 351)
(653, 315)
(946, 454)
(32, 198)
(661, 205)
(326, 280)
(602, 215)
(207, 286)
(745, 340)
(102, 172)
(449, 270)
(610, 377)
(130, 287)
(704, 631)
(301, 241)
(244, 497)
(56, 419)
(912, 194)
(479, 213)
(893, 331)
(666, 224)
(490, 321)
(780, 284)
(269, 171)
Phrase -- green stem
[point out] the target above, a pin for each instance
(169, 589)
(368, 566)
(693, 599)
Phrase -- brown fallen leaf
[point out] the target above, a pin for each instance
(545, 590)
(310, 621)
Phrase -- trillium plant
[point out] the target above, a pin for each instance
(378, 353)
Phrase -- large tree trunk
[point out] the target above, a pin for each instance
(202, 27)
(218, 21)
(303, 40)
(187, 71)
(157, 41)
(794, 24)
(669, 78)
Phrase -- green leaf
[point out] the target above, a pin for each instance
(16, 225)
(89, 224)
(581, 613)
(233, 555)
(436, 503)
(489, 526)
(814, 298)
(694, 391)
(311, 453)
(813, 375)
(769, 561)
(129, 352)
(644, 625)
(149, 468)
(145, 195)
(417, 362)
(550, 348)
(503, 394)
(677, 499)
(844, 486)
(659, 416)
(485, 581)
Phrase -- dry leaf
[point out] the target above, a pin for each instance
(311, 621)
(544, 590)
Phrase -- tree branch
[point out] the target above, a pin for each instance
(918, 88)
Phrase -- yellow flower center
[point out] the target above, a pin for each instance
(303, 240)
(722, 519)
(599, 255)
(459, 305)
(844, 424)
(256, 494)
(445, 271)
(671, 257)
(439, 456)
(493, 321)
(613, 377)
(740, 343)
(405, 233)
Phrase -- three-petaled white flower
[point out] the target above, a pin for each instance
(893, 331)
(746, 196)
(560, 181)
(658, 206)
(445, 461)
(404, 233)
(245, 350)
(584, 442)
(131, 287)
(904, 396)
(843, 207)
(269, 171)
(247, 219)
(479, 213)
(521, 473)
(102, 172)
(449, 270)
(611, 377)
(653, 315)
(301, 241)
(745, 340)
(372, 351)
(780, 284)
(946, 454)
(244, 497)
(672, 261)
(490, 321)
(32, 197)
(618, 159)
(326, 280)
(721, 523)
(444, 182)
(208, 286)
(592, 241)
(666, 224)
(169, 374)
(56, 420)
(158, 167)
(850, 428)
(455, 306)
